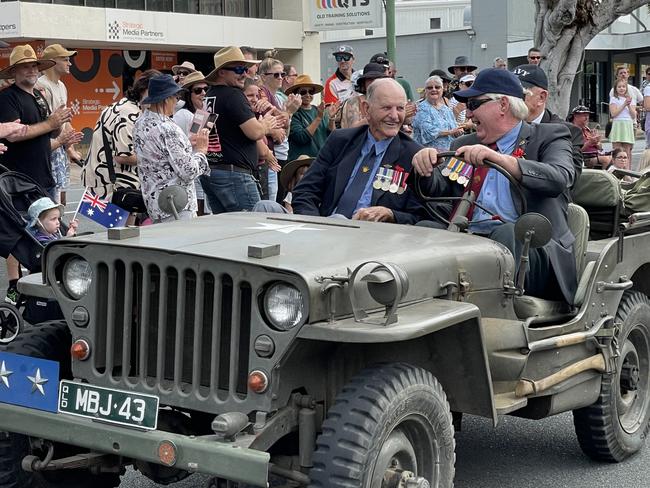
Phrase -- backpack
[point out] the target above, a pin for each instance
(636, 198)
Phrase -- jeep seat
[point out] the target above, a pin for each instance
(527, 306)
(599, 193)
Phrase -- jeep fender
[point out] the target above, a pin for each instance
(443, 336)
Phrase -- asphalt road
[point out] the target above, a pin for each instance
(518, 453)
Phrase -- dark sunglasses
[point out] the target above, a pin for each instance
(182, 73)
(342, 57)
(474, 103)
(199, 90)
(468, 83)
(276, 75)
(535, 57)
(306, 92)
(240, 70)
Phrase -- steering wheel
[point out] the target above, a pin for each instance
(427, 200)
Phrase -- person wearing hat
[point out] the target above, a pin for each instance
(361, 173)
(592, 148)
(193, 99)
(351, 115)
(310, 124)
(28, 151)
(164, 153)
(339, 86)
(458, 107)
(182, 70)
(291, 175)
(56, 94)
(232, 152)
(535, 84)
(461, 67)
(45, 220)
(540, 159)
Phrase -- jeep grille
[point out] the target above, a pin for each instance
(173, 330)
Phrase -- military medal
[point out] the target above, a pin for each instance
(378, 177)
(387, 179)
(393, 185)
(463, 179)
(453, 176)
(402, 183)
(446, 171)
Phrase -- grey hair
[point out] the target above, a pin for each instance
(380, 82)
(498, 59)
(435, 79)
(518, 108)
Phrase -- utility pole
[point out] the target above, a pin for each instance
(391, 50)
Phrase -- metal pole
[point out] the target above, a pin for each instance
(390, 30)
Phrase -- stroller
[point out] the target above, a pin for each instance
(17, 192)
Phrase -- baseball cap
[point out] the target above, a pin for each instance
(492, 80)
(531, 75)
(380, 58)
(344, 48)
(57, 50)
(467, 78)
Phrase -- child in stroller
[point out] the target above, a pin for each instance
(18, 238)
(45, 221)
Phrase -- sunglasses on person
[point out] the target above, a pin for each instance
(468, 83)
(474, 103)
(240, 70)
(200, 89)
(276, 75)
(183, 73)
(342, 57)
(306, 92)
(534, 57)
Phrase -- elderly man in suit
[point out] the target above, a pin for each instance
(540, 159)
(362, 173)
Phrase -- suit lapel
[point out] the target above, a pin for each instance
(522, 141)
(390, 159)
(350, 155)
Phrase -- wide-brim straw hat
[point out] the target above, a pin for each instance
(21, 55)
(303, 81)
(224, 57)
(184, 65)
(194, 77)
(57, 51)
(289, 169)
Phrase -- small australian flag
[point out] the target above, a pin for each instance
(101, 211)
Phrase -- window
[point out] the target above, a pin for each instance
(434, 23)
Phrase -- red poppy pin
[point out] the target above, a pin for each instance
(518, 153)
(399, 169)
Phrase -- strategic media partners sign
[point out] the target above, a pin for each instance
(135, 26)
(345, 14)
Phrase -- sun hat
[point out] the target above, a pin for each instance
(57, 51)
(39, 206)
(289, 169)
(184, 65)
(303, 81)
(161, 87)
(372, 71)
(492, 80)
(21, 55)
(442, 74)
(459, 62)
(225, 56)
(193, 77)
(531, 75)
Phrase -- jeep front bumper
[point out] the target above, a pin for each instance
(194, 454)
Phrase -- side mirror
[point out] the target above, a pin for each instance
(171, 199)
(533, 230)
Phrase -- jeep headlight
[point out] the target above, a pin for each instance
(284, 306)
(77, 277)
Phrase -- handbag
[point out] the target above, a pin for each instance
(129, 199)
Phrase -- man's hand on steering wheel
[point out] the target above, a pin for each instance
(424, 161)
(476, 154)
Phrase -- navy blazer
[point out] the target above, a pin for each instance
(320, 190)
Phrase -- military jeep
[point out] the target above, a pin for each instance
(317, 351)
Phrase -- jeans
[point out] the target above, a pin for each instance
(272, 184)
(230, 191)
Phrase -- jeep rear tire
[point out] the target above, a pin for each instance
(387, 420)
(615, 427)
(48, 340)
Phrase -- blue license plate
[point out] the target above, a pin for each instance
(29, 382)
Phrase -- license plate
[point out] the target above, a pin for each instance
(108, 405)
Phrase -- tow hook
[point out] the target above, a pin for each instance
(34, 463)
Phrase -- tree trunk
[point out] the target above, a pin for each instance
(563, 28)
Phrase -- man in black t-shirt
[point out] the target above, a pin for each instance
(232, 151)
(28, 151)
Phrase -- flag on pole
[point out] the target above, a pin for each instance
(101, 211)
